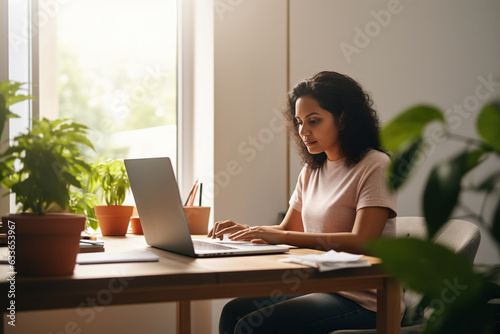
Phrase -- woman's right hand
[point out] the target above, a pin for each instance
(225, 227)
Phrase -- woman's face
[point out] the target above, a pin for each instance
(317, 128)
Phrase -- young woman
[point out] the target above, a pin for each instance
(340, 202)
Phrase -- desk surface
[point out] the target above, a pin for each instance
(179, 275)
(176, 278)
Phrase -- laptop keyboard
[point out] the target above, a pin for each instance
(204, 246)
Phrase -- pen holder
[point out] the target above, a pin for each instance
(197, 217)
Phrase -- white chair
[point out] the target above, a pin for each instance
(461, 236)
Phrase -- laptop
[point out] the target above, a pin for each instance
(163, 218)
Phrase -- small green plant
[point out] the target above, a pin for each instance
(459, 294)
(110, 177)
(50, 161)
(42, 165)
(83, 202)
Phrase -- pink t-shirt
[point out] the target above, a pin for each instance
(329, 197)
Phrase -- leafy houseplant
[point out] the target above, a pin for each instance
(40, 167)
(110, 177)
(433, 268)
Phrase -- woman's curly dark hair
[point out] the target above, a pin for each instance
(341, 96)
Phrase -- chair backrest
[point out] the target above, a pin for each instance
(460, 236)
(411, 227)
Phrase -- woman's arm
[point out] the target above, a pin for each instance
(368, 225)
(292, 221)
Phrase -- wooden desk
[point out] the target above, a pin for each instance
(182, 279)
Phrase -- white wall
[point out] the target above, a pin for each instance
(407, 52)
(250, 85)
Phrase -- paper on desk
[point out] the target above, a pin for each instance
(330, 260)
(116, 257)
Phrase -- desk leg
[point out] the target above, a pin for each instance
(184, 317)
(388, 308)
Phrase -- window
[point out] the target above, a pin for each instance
(19, 60)
(108, 64)
(115, 71)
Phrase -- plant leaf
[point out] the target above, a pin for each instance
(407, 127)
(112, 178)
(475, 316)
(51, 161)
(443, 188)
(402, 164)
(488, 125)
(447, 281)
(18, 98)
(422, 265)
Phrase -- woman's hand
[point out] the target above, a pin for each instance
(259, 234)
(225, 227)
(241, 232)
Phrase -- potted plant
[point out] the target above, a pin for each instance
(40, 167)
(471, 309)
(110, 177)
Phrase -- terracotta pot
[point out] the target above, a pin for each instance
(45, 245)
(135, 224)
(113, 219)
(197, 217)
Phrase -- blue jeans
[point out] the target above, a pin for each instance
(310, 313)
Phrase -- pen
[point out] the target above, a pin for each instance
(190, 193)
(193, 195)
(201, 190)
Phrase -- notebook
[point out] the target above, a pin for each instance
(163, 218)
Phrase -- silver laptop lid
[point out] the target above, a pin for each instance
(159, 204)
